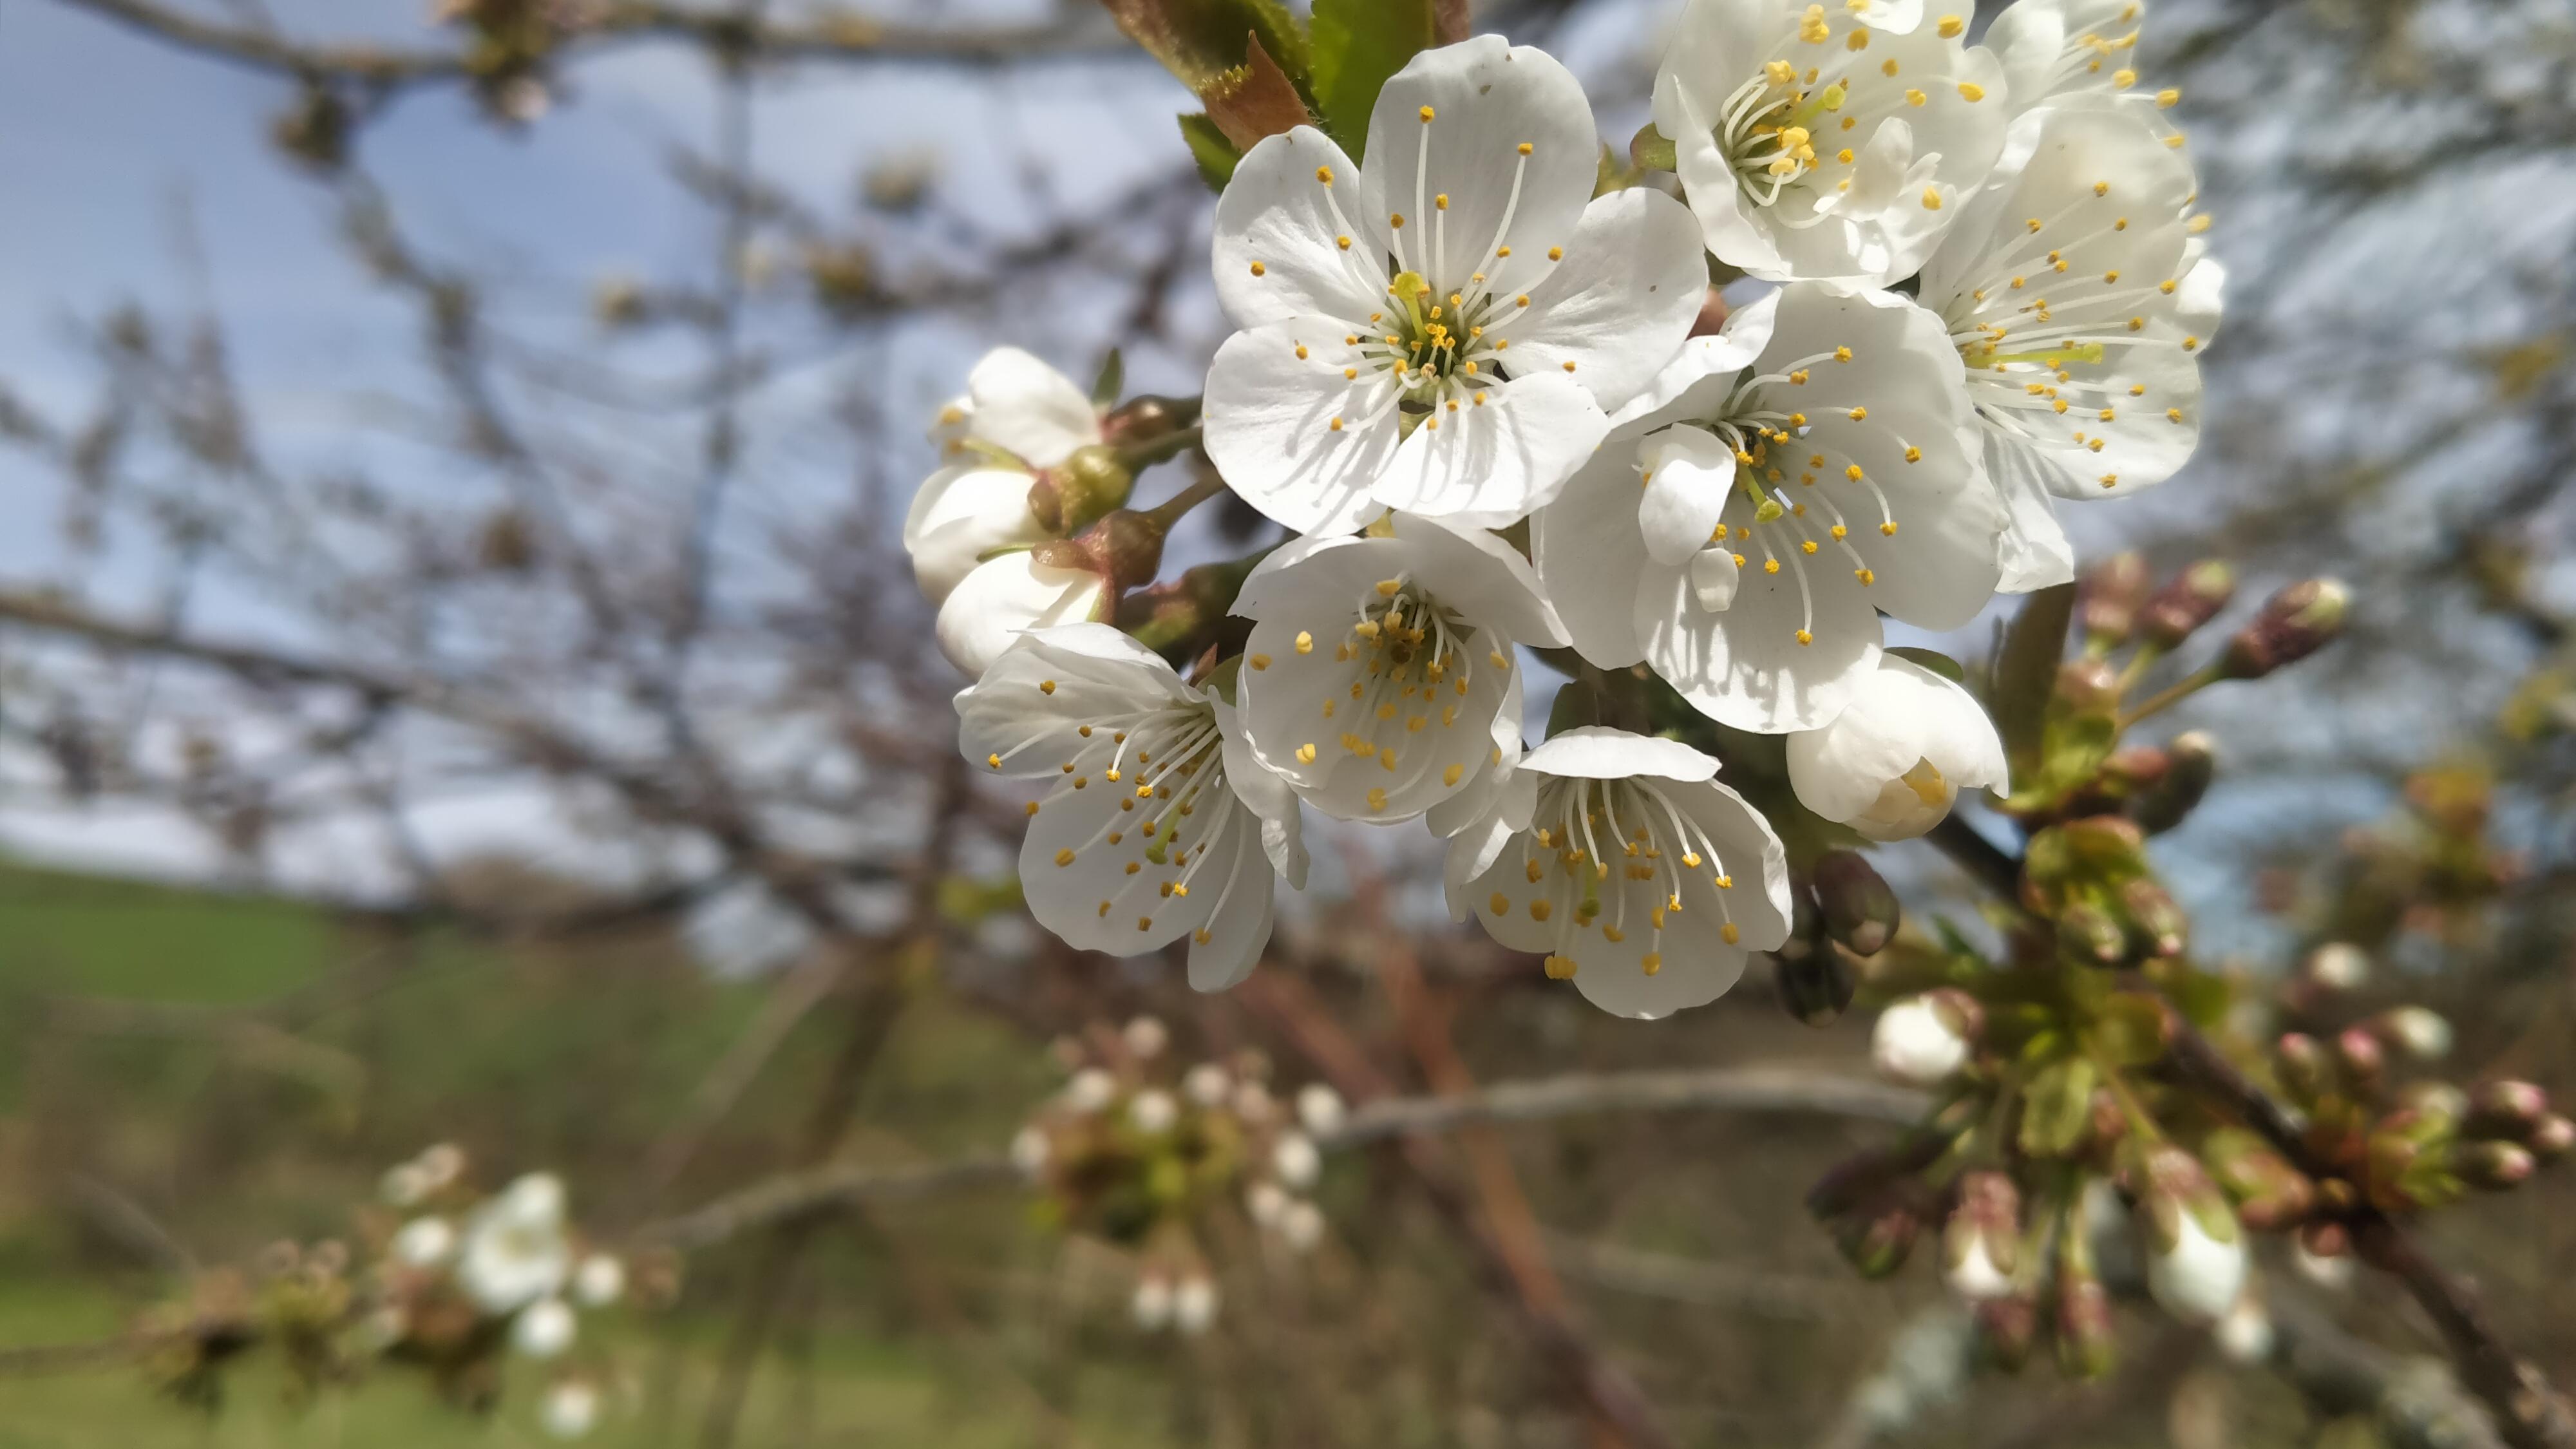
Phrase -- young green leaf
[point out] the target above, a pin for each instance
(1215, 154)
(1358, 44)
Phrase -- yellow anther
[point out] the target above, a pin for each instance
(1064, 857)
(1046, 686)
(1931, 198)
(1971, 91)
(1525, 150)
(1324, 174)
(1914, 97)
(1652, 962)
(1951, 27)
(1860, 415)
(1259, 270)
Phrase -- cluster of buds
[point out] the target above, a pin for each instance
(294, 1297)
(2067, 758)
(1842, 905)
(1026, 523)
(510, 47)
(447, 1280)
(2090, 877)
(2383, 1134)
(2432, 871)
(1138, 1150)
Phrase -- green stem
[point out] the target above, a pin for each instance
(2182, 689)
(1177, 507)
(1142, 456)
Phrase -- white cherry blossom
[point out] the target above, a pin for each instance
(1006, 596)
(1160, 824)
(570, 1409)
(1622, 859)
(1446, 329)
(1379, 679)
(1830, 144)
(1782, 483)
(1892, 763)
(544, 1329)
(2079, 300)
(1018, 415)
(514, 1249)
(1918, 1044)
(2056, 51)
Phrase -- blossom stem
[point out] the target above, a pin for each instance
(2179, 691)
(1177, 507)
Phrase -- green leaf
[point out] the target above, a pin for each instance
(1215, 154)
(2025, 674)
(1200, 40)
(2131, 1031)
(1112, 379)
(1358, 44)
(2057, 1108)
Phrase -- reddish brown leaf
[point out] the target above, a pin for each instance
(1255, 99)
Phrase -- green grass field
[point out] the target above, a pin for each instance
(123, 1059)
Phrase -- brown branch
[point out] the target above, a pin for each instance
(821, 37)
(1773, 1089)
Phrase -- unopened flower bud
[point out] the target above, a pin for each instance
(1207, 1085)
(1319, 1109)
(2112, 591)
(1981, 1243)
(2086, 689)
(1859, 909)
(1081, 489)
(2494, 1165)
(2338, 966)
(2007, 1330)
(1090, 1090)
(1924, 1040)
(2435, 1099)
(2191, 760)
(1877, 1239)
(1145, 1037)
(2157, 926)
(1295, 1159)
(2360, 1054)
(2245, 1334)
(2505, 1109)
(1147, 419)
(1815, 985)
(2306, 1070)
(2086, 1345)
(2192, 599)
(1194, 1305)
(2195, 1246)
(2088, 935)
(1153, 1112)
(2418, 1031)
(1152, 1303)
(1029, 1150)
(2132, 770)
(2323, 1255)
(2270, 1194)
(2106, 842)
(2295, 623)
(2552, 1138)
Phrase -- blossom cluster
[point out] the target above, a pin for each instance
(1136, 1149)
(1489, 396)
(448, 1280)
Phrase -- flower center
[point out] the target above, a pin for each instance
(1412, 665)
(1781, 505)
(2043, 340)
(1585, 830)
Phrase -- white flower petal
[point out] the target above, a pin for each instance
(2034, 551)
(1028, 408)
(1493, 455)
(1598, 752)
(1714, 577)
(961, 514)
(1688, 475)
(1582, 545)
(1291, 207)
(1623, 300)
(1745, 667)
(1893, 761)
(989, 608)
(1270, 416)
(1486, 99)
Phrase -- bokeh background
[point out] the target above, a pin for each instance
(460, 681)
